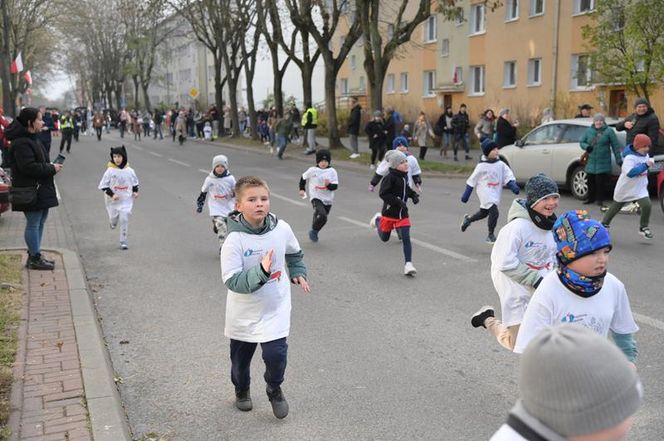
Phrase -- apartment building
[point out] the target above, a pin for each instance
(525, 55)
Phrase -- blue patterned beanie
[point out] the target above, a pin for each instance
(577, 235)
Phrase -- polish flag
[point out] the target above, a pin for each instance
(27, 77)
(17, 65)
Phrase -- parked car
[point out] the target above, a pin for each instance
(5, 183)
(553, 148)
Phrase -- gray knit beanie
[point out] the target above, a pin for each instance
(577, 382)
(394, 158)
(599, 117)
(539, 187)
(220, 160)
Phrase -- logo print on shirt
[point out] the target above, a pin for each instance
(276, 275)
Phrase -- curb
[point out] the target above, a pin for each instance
(108, 421)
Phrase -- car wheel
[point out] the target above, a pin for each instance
(578, 183)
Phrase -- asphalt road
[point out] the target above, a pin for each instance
(373, 354)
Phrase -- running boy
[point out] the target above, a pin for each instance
(581, 291)
(633, 183)
(259, 260)
(401, 144)
(523, 254)
(489, 176)
(120, 185)
(221, 186)
(395, 192)
(323, 181)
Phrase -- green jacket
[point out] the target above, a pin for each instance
(599, 144)
(252, 279)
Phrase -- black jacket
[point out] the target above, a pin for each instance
(460, 123)
(648, 124)
(376, 128)
(506, 133)
(354, 120)
(30, 166)
(390, 131)
(394, 191)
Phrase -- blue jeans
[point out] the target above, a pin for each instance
(274, 355)
(461, 139)
(282, 141)
(34, 230)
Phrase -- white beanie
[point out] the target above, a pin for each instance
(220, 160)
(394, 158)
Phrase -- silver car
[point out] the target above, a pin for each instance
(553, 148)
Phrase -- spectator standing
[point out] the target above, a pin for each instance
(67, 130)
(98, 124)
(309, 124)
(485, 126)
(375, 130)
(45, 134)
(505, 128)
(642, 120)
(584, 111)
(599, 141)
(460, 126)
(421, 133)
(354, 121)
(443, 129)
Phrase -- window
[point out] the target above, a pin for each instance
(458, 75)
(390, 31)
(390, 83)
(511, 10)
(573, 133)
(583, 6)
(429, 83)
(536, 7)
(581, 72)
(343, 86)
(184, 75)
(459, 19)
(403, 82)
(445, 47)
(477, 80)
(430, 29)
(509, 74)
(362, 85)
(477, 19)
(535, 72)
(548, 134)
(353, 63)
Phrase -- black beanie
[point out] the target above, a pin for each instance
(323, 155)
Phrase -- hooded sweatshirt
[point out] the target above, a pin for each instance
(523, 254)
(632, 184)
(258, 303)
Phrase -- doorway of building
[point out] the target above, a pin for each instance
(618, 103)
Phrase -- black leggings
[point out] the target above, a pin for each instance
(598, 187)
(377, 152)
(423, 152)
(320, 214)
(492, 212)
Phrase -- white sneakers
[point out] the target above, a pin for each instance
(372, 222)
(409, 269)
(354, 155)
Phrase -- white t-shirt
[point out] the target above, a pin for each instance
(631, 189)
(263, 315)
(316, 186)
(520, 241)
(207, 131)
(488, 179)
(221, 194)
(120, 181)
(413, 169)
(554, 304)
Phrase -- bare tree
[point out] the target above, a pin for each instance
(274, 37)
(254, 23)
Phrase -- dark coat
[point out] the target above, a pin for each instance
(354, 120)
(395, 191)
(460, 124)
(30, 166)
(505, 132)
(376, 133)
(391, 131)
(648, 124)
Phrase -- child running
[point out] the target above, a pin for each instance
(120, 185)
(632, 184)
(221, 186)
(401, 144)
(581, 291)
(259, 260)
(523, 254)
(395, 192)
(489, 176)
(323, 181)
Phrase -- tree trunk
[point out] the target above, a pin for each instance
(331, 106)
(148, 104)
(251, 108)
(376, 89)
(232, 98)
(118, 95)
(307, 73)
(136, 88)
(5, 57)
(218, 92)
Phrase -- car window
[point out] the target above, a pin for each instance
(544, 135)
(573, 133)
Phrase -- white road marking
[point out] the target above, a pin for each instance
(421, 243)
(644, 319)
(137, 147)
(292, 201)
(204, 171)
(158, 155)
(175, 161)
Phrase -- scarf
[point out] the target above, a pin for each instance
(579, 284)
(544, 223)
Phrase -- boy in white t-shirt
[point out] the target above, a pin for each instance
(323, 181)
(401, 144)
(260, 258)
(221, 186)
(632, 184)
(207, 131)
(581, 291)
(120, 184)
(489, 176)
(524, 253)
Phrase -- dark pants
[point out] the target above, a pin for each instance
(98, 130)
(598, 187)
(320, 214)
(423, 152)
(274, 355)
(123, 128)
(377, 151)
(76, 132)
(460, 139)
(404, 235)
(492, 212)
(66, 138)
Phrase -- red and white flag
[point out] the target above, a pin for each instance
(27, 77)
(17, 65)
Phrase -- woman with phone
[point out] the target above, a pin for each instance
(32, 174)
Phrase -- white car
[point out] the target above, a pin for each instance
(553, 149)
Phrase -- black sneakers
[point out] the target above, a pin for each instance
(465, 223)
(37, 262)
(480, 316)
(243, 400)
(278, 402)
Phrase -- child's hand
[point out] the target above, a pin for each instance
(302, 194)
(371, 188)
(134, 195)
(266, 261)
(302, 282)
(650, 162)
(115, 197)
(326, 182)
